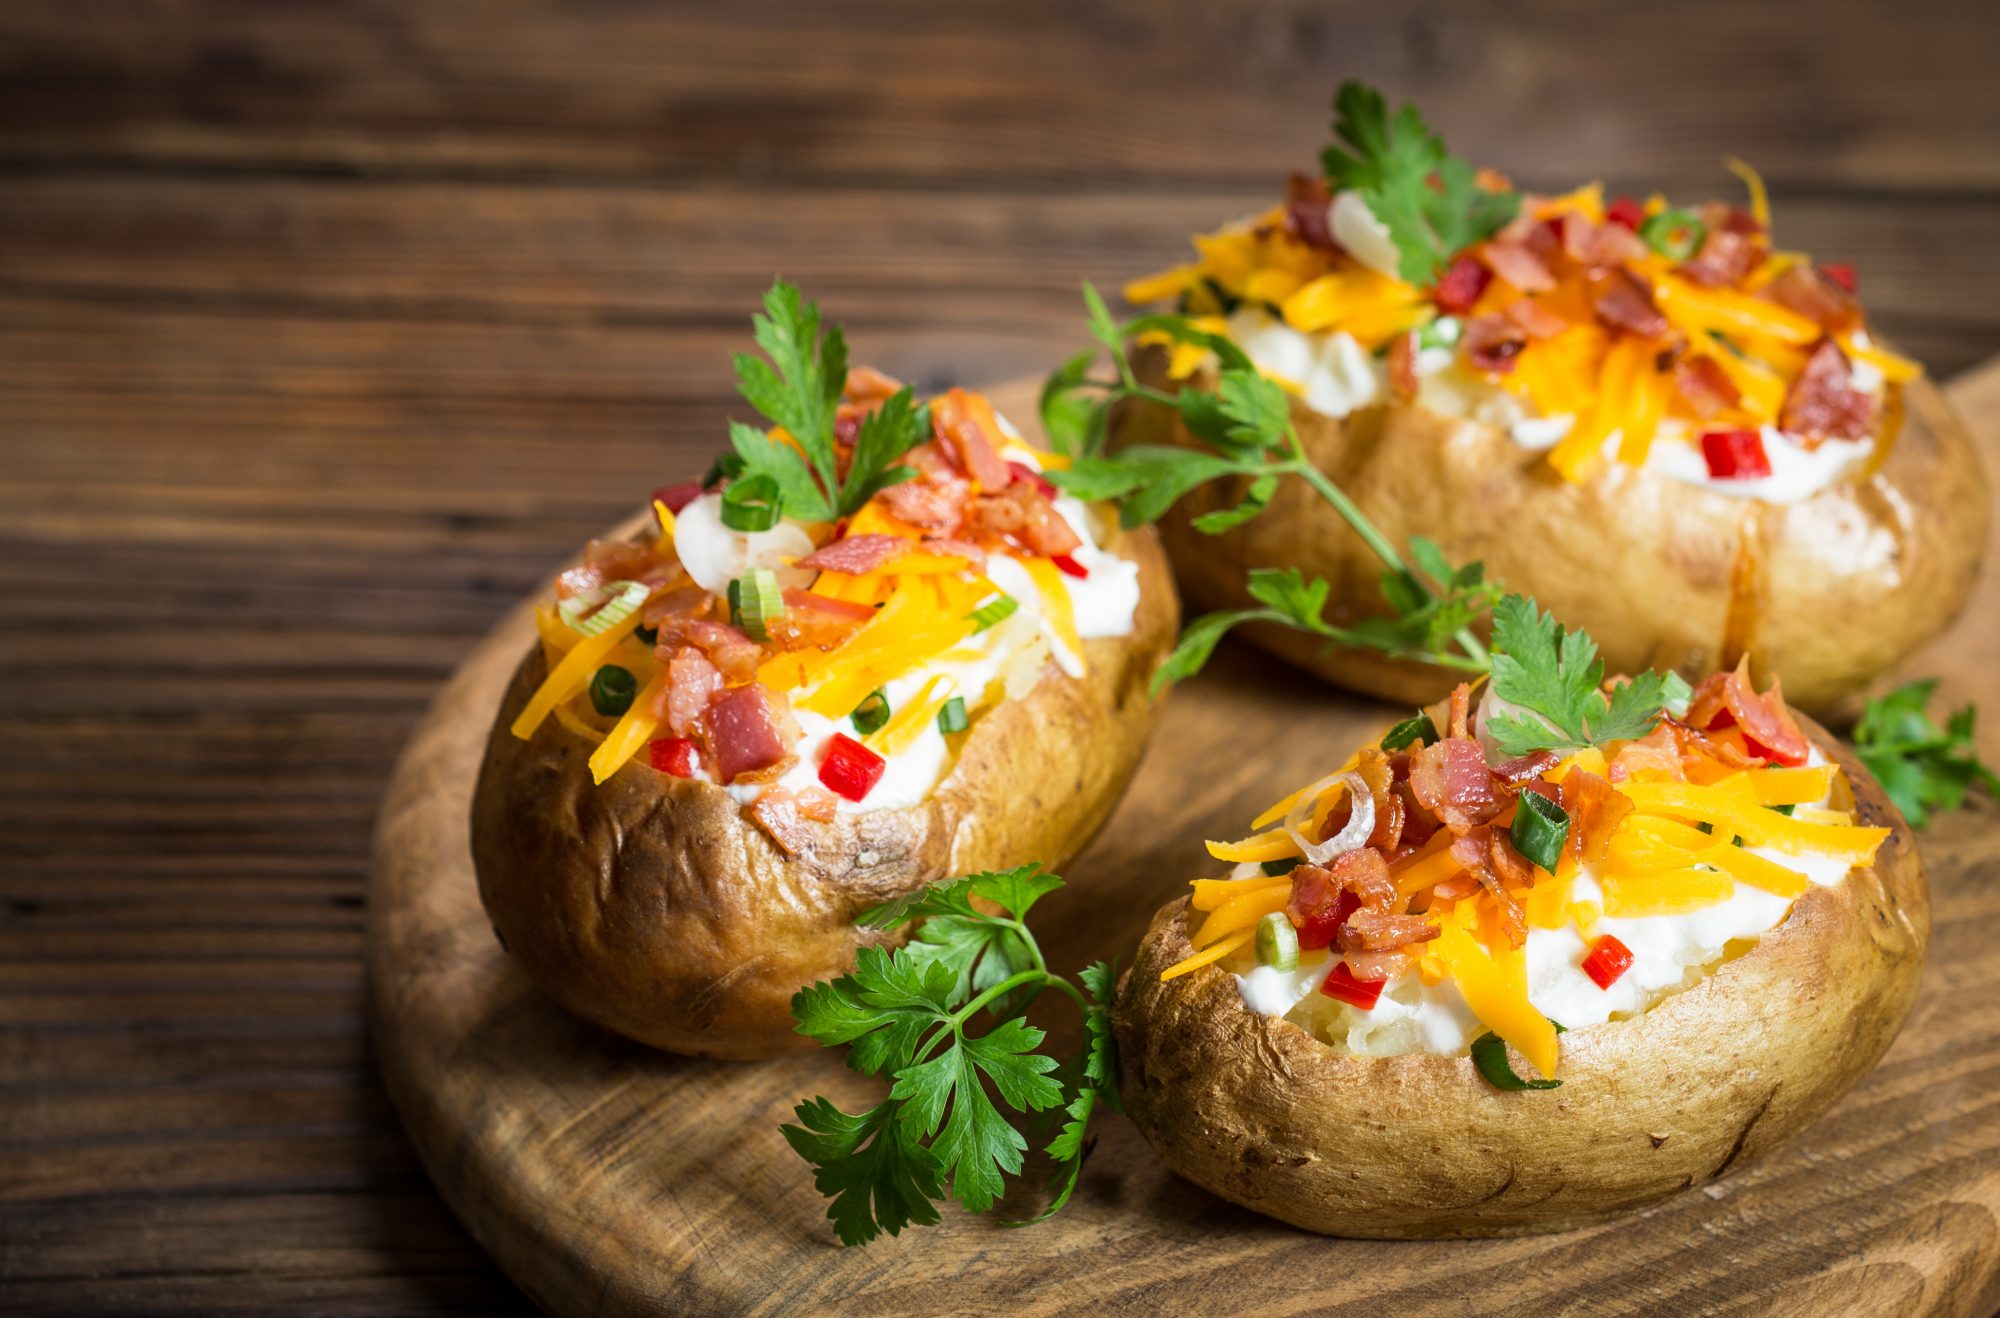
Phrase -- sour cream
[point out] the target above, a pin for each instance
(1334, 375)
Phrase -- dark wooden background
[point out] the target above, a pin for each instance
(326, 329)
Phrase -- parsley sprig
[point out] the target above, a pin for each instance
(1427, 198)
(1923, 768)
(907, 1015)
(1244, 431)
(797, 386)
(1557, 678)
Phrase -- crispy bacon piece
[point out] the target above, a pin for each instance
(1722, 699)
(681, 602)
(1656, 752)
(964, 422)
(1812, 295)
(1476, 851)
(1403, 379)
(603, 561)
(1459, 723)
(692, 682)
(1518, 264)
(1380, 931)
(1418, 825)
(959, 548)
(867, 387)
(1823, 403)
(1516, 772)
(1020, 512)
(856, 554)
(1534, 318)
(1733, 247)
(1373, 967)
(1492, 342)
(1380, 775)
(1697, 745)
(727, 648)
(1451, 780)
(1706, 386)
(815, 622)
(1624, 303)
(1323, 897)
(1593, 245)
(749, 728)
(1595, 808)
(1306, 200)
(935, 503)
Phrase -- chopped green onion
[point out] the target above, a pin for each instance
(612, 689)
(1277, 942)
(630, 595)
(727, 467)
(755, 602)
(1489, 1054)
(1676, 235)
(952, 718)
(750, 504)
(1413, 731)
(1443, 332)
(1784, 809)
(997, 609)
(871, 713)
(646, 635)
(1279, 868)
(1540, 828)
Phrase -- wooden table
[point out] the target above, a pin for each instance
(324, 331)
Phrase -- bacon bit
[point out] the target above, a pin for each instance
(1840, 273)
(1723, 699)
(956, 548)
(1595, 245)
(1733, 247)
(1403, 379)
(1306, 201)
(603, 561)
(1512, 867)
(1459, 724)
(1656, 752)
(1461, 286)
(814, 622)
(1518, 264)
(1697, 745)
(1820, 300)
(692, 682)
(1380, 931)
(804, 601)
(1594, 808)
(867, 387)
(681, 602)
(1023, 472)
(1379, 773)
(1534, 318)
(856, 554)
(936, 503)
(727, 648)
(1623, 302)
(1418, 826)
(1492, 342)
(783, 814)
(1822, 404)
(957, 419)
(1451, 780)
(1706, 386)
(1516, 772)
(846, 428)
(1475, 851)
(1324, 897)
(1020, 512)
(749, 728)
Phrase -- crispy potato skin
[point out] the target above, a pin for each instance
(1830, 591)
(1255, 1109)
(652, 906)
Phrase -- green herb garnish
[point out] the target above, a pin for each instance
(1416, 730)
(1425, 196)
(1556, 676)
(871, 713)
(1923, 768)
(799, 389)
(906, 1016)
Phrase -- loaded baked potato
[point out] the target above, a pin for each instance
(1471, 990)
(779, 706)
(1670, 433)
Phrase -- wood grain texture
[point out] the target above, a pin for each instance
(604, 1177)
(325, 330)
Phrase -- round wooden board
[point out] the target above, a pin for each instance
(604, 1177)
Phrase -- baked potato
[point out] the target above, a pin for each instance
(1646, 418)
(675, 834)
(1698, 1036)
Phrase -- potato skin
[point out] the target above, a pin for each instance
(1829, 592)
(1255, 1109)
(652, 906)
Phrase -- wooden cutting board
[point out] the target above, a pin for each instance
(604, 1177)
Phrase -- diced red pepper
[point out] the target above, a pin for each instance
(1319, 927)
(1840, 273)
(1069, 567)
(1342, 985)
(1735, 454)
(1462, 284)
(1023, 472)
(1607, 960)
(677, 497)
(1758, 748)
(847, 429)
(850, 769)
(674, 755)
(1627, 212)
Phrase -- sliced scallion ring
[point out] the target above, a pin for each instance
(1540, 829)
(1489, 1054)
(871, 713)
(1277, 942)
(1676, 235)
(612, 689)
(756, 601)
(1443, 332)
(1416, 730)
(1277, 869)
(997, 609)
(952, 717)
(750, 504)
(621, 600)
